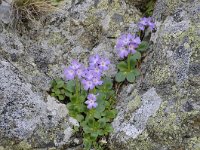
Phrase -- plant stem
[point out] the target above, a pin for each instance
(129, 62)
(77, 86)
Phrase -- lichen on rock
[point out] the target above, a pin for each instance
(171, 69)
(160, 111)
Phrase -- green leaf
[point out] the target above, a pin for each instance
(94, 134)
(61, 97)
(136, 72)
(73, 98)
(79, 117)
(130, 77)
(143, 46)
(91, 122)
(57, 92)
(76, 128)
(68, 94)
(62, 91)
(53, 94)
(87, 144)
(122, 66)
(135, 57)
(100, 108)
(109, 128)
(60, 83)
(53, 83)
(102, 122)
(87, 129)
(83, 123)
(71, 86)
(65, 86)
(69, 105)
(81, 98)
(97, 115)
(100, 132)
(83, 93)
(120, 76)
(132, 63)
(81, 107)
(110, 114)
(107, 84)
(101, 104)
(107, 104)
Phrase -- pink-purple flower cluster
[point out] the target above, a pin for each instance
(145, 22)
(91, 101)
(126, 44)
(91, 76)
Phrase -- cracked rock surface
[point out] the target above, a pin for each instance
(31, 57)
(161, 111)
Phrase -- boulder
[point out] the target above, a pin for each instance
(161, 110)
(30, 119)
(34, 54)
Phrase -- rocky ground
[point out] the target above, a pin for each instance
(159, 112)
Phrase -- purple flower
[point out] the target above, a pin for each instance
(136, 40)
(69, 73)
(151, 25)
(93, 60)
(87, 84)
(124, 39)
(97, 81)
(103, 64)
(144, 22)
(88, 74)
(80, 73)
(122, 51)
(75, 65)
(96, 71)
(91, 101)
(89, 77)
(132, 47)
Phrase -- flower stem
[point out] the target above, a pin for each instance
(77, 87)
(129, 62)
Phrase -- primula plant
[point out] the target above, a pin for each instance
(89, 95)
(91, 98)
(129, 48)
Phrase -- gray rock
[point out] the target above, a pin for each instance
(134, 123)
(26, 117)
(34, 54)
(170, 69)
(6, 12)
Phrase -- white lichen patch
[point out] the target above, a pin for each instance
(56, 108)
(136, 124)
(73, 121)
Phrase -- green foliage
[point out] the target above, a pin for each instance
(127, 69)
(143, 46)
(149, 8)
(60, 89)
(95, 122)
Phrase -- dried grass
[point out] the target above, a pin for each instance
(31, 10)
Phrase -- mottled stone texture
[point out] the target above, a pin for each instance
(138, 3)
(159, 112)
(171, 74)
(34, 54)
(26, 117)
